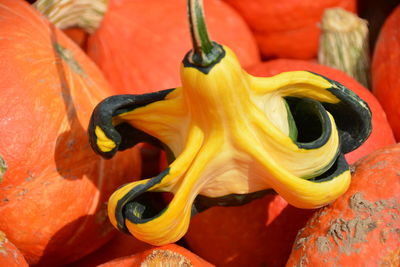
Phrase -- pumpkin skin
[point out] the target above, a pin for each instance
(77, 35)
(139, 54)
(287, 28)
(271, 224)
(10, 256)
(259, 233)
(53, 196)
(167, 255)
(361, 228)
(385, 70)
(381, 135)
(121, 245)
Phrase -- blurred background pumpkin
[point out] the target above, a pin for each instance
(385, 70)
(139, 45)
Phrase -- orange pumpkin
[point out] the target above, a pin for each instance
(361, 228)
(139, 44)
(10, 256)
(53, 195)
(168, 255)
(77, 35)
(268, 226)
(121, 245)
(287, 28)
(259, 233)
(385, 70)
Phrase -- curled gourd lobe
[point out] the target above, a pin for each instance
(231, 137)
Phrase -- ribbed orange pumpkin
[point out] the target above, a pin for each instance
(362, 227)
(263, 231)
(385, 70)
(53, 196)
(10, 256)
(287, 28)
(140, 44)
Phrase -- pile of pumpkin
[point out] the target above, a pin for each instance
(59, 59)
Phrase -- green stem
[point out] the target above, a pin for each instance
(205, 52)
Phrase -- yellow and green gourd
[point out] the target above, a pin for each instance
(231, 137)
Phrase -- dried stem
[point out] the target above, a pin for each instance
(85, 14)
(344, 44)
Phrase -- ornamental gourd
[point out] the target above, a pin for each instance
(385, 70)
(269, 230)
(361, 228)
(52, 197)
(139, 44)
(231, 137)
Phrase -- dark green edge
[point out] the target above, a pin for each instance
(202, 203)
(204, 69)
(352, 115)
(312, 106)
(338, 167)
(323, 117)
(124, 135)
(126, 207)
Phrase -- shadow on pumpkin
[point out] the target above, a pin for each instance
(73, 237)
(81, 223)
(72, 147)
(259, 233)
(282, 230)
(73, 155)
